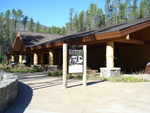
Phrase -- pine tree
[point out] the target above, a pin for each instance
(87, 22)
(81, 22)
(24, 22)
(127, 9)
(1, 31)
(19, 17)
(14, 21)
(31, 25)
(37, 27)
(71, 20)
(122, 13)
(107, 12)
(134, 11)
(114, 14)
(144, 9)
(75, 24)
(99, 18)
(93, 16)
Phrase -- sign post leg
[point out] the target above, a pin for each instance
(84, 65)
(65, 65)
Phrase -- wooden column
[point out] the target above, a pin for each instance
(20, 59)
(7, 59)
(51, 60)
(35, 59)
(65, 65)
(12, 58)
(110, 54)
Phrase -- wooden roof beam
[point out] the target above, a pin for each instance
(130, 41)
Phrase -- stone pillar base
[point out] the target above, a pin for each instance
(110, 72)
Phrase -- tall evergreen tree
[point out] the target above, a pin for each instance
(24, 22)
(93, 16)
(1, 32)
(31, 25)
(38, 27)
(75, 24)
(127, 8)
(99, 18)
(134, 10)
(122, 12)
(107, 12)
(144, 9)
(71, 20)
(19, 17)
(81, 21)
(14, 21)
(88, 23)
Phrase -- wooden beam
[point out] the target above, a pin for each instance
(130, 41)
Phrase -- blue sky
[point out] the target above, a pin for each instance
(49, 12)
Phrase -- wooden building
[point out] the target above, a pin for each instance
(125, 45)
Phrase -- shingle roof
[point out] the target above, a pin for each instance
(106, 29)
(32, 38)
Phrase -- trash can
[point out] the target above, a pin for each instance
(147, 68)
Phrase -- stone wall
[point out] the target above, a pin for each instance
(8, 91)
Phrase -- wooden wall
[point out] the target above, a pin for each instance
(96, 57)
(134, 57)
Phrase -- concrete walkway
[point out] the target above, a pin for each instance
(41, 94)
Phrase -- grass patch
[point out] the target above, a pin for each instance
(92, 76)
(127, 79)
(130, 79)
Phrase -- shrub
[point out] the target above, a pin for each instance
(123, 79)
(70, 75)
(21, 69)
(2, 58)
(56, 73)
(2, 66)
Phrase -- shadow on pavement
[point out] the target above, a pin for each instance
(22, 100)
(88, 84)
(94, 82)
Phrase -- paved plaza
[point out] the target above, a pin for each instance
(42, 94)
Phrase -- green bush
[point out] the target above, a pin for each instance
(2, 58)
(57, 73)
(2, 66)
(22, 69)
(118, 79)
(126, 79)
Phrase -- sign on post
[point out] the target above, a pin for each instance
(77, 62)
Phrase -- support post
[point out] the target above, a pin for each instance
(7, 59)
(35, 59)
(20, 59)
(12, 58)
(110, 70)
(110, 54)
(51, 58)
(84, 65)
(65, 65)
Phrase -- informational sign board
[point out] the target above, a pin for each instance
(75, 61)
